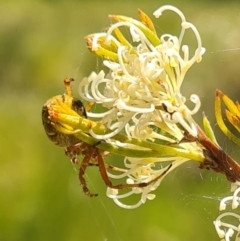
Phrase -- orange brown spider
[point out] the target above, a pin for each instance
(94, 157)
(74, 147)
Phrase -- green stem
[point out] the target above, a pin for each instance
(152, 149)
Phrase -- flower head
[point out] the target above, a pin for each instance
(141, 92)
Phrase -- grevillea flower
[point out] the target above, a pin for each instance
(141, 91)
(141, 95)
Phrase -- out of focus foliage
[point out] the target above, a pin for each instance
(41, 43)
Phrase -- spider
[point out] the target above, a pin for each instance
(93, 156)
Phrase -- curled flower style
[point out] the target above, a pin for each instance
(141, 92)
(227, 224)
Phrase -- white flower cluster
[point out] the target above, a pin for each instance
(142, 89)
(227, 224)
(141, 94)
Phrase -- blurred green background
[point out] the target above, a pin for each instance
(41, 43)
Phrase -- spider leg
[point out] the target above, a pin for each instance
(71, 155)
(145, 184)
(102, 169)
(89, 106)
(73, 151)
(113, 168)
(108, 167)
(82, 169)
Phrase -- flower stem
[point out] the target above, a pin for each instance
(71, 123)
